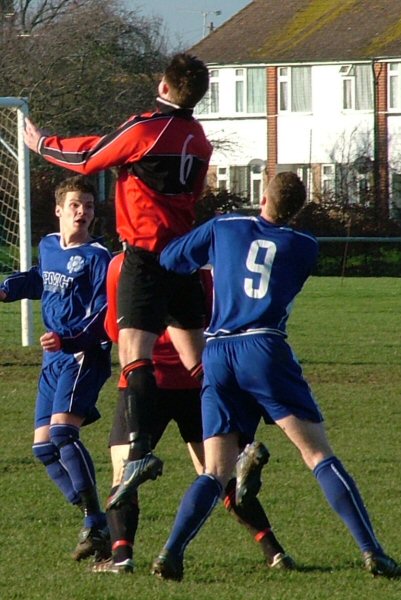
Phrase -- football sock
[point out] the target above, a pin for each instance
(343, 496)
(93, 516)
(74, 456)
(47, 453)
(140, 397)
(197, 372)
(78, 462)
(254, 518)
(196, 505)
(122, 521)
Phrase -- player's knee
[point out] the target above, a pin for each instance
(63, 435)
(46, 453)
(139, 374)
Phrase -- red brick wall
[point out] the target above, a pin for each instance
(272, 111)
(381, 132)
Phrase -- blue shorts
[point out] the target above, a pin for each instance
(71, 383)
(249, 377)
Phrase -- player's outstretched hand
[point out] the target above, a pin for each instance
(50, 341)
(32, 135)
(3, 295)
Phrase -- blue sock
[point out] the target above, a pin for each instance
(95, 520)
(74, 456)
(343, 496)
(196, 505)
(47, 453)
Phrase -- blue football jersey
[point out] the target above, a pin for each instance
(71, 283)
(258, 269)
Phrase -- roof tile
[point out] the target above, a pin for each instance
(289, 31)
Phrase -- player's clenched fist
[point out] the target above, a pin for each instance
(50, 341)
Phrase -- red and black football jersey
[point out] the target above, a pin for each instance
(162, 159)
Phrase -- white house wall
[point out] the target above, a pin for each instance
(236, 139)
(237, 142)
(328, 134)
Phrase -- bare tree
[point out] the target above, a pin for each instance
(84, 65)
(351, 155)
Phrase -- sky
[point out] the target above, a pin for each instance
(187, 20)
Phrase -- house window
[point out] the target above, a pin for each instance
(396, 196)
(358, 189)
(357, 87)
(394, 86)
(222, 178)
(233, 179)
(363, 190)
(256, 91)
(328, 175)
(239, 181)
(239, 90)
(295, 89)
(256, 170)
(352, 186)
(250, 90)
(348, 87)
(283, 88)
(210, 102)
(214, 91)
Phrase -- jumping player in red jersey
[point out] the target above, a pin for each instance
(178, 400)
(162, 159)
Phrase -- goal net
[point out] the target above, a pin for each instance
(15, 222)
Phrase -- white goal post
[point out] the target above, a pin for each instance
(15, 209)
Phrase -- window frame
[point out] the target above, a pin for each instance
(204, 107)
(394, 74)
(240, 79)
(223, 177)
(352, 82)
(328, 177)
(285, 85)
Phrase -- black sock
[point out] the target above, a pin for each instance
(122, 520)
(253, 516)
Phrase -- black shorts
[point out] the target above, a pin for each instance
(181, 406)
(151, 298)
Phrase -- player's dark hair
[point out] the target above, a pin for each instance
(287, 194)
(188, 79)
(77, 183)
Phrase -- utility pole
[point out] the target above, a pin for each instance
(205, 15)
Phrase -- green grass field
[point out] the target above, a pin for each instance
(347, 335)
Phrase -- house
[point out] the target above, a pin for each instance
(312, 86)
